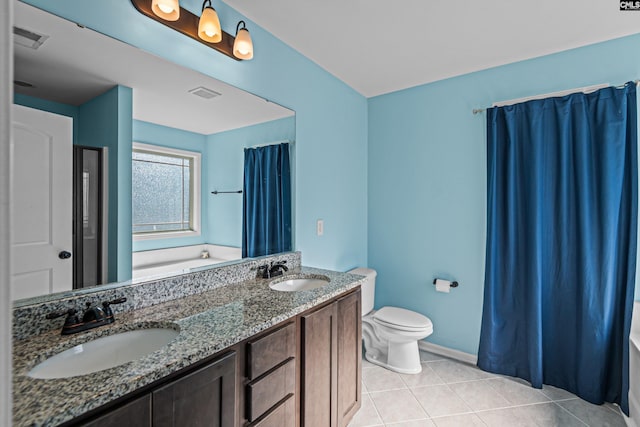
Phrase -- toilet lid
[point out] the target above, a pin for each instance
(402, 319)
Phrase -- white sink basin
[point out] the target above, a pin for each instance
(300, 284)
(103, 353)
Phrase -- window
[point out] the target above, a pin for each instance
(166, 192)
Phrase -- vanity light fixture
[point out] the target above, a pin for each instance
(204, 28)
(243, 46)
(169, 10)
(209, 24)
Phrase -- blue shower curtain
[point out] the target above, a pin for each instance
(266, 222)
(561, 242)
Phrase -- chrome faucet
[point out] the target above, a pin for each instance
(92, 317)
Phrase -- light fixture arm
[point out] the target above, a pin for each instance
(244, 26)
(187, 24)
(204, 4)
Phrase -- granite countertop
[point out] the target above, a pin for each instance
(208, 323)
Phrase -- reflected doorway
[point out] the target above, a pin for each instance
(88, 216)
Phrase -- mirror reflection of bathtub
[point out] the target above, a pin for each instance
(161, 262)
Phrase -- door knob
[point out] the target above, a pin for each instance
(64, 255)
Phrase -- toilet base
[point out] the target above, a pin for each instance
(404, 358)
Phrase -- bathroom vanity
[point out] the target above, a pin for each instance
(245, 355)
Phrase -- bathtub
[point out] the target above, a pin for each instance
(163, 261)
(634, 369)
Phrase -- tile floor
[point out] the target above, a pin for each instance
(450, 393)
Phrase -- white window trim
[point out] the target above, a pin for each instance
(197, 193)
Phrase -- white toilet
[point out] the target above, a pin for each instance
(391, 334)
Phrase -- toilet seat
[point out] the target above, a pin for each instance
(401, 319)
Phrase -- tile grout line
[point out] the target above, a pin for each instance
(571, 413)
(375, 408)
(490, 380)
(517, 406)
(427, 412)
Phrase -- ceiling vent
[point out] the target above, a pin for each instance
(28, 38)
(205, 93)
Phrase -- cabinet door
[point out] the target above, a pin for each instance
(204, 398)
(136, 413)
(349, 357)
(319, 386)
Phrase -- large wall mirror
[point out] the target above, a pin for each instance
(109, 138)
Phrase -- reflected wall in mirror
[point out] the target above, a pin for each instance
(82, 100)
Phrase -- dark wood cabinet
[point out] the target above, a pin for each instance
(349, 357)
(271, 375)
(268, 350)
(204, 398)
(318, 373)
(283, 415)
(304, 372)
(136, 413)
(331, 363)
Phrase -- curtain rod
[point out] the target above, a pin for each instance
(284, 141)
(586, 89)
(227, 192)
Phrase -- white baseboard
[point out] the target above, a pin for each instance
(448, 352)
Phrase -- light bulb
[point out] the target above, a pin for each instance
(243, 46)
(209, 26)
(169, 10)
(165, 8)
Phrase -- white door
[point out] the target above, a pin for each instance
(41, 202)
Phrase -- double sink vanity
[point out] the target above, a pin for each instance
(219, 347)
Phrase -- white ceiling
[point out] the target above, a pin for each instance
(378, 46)
(76, 64)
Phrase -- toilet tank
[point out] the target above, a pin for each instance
(368, 288)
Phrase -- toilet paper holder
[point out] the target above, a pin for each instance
(453, 284)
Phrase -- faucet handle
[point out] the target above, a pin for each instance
(107, 305)
(56, 314)
(115, 301)
(71, 320)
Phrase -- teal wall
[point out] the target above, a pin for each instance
(154, 134)
(427, 179)
(331, 118)
(225, 165)
(125, 139)
(106, 121)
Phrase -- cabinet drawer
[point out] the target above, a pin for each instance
(270, 350)
(270, 389)
(282, 416)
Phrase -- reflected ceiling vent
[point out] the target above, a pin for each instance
(205, 93)
(28, 38)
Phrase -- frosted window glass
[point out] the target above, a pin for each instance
(161, 192)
